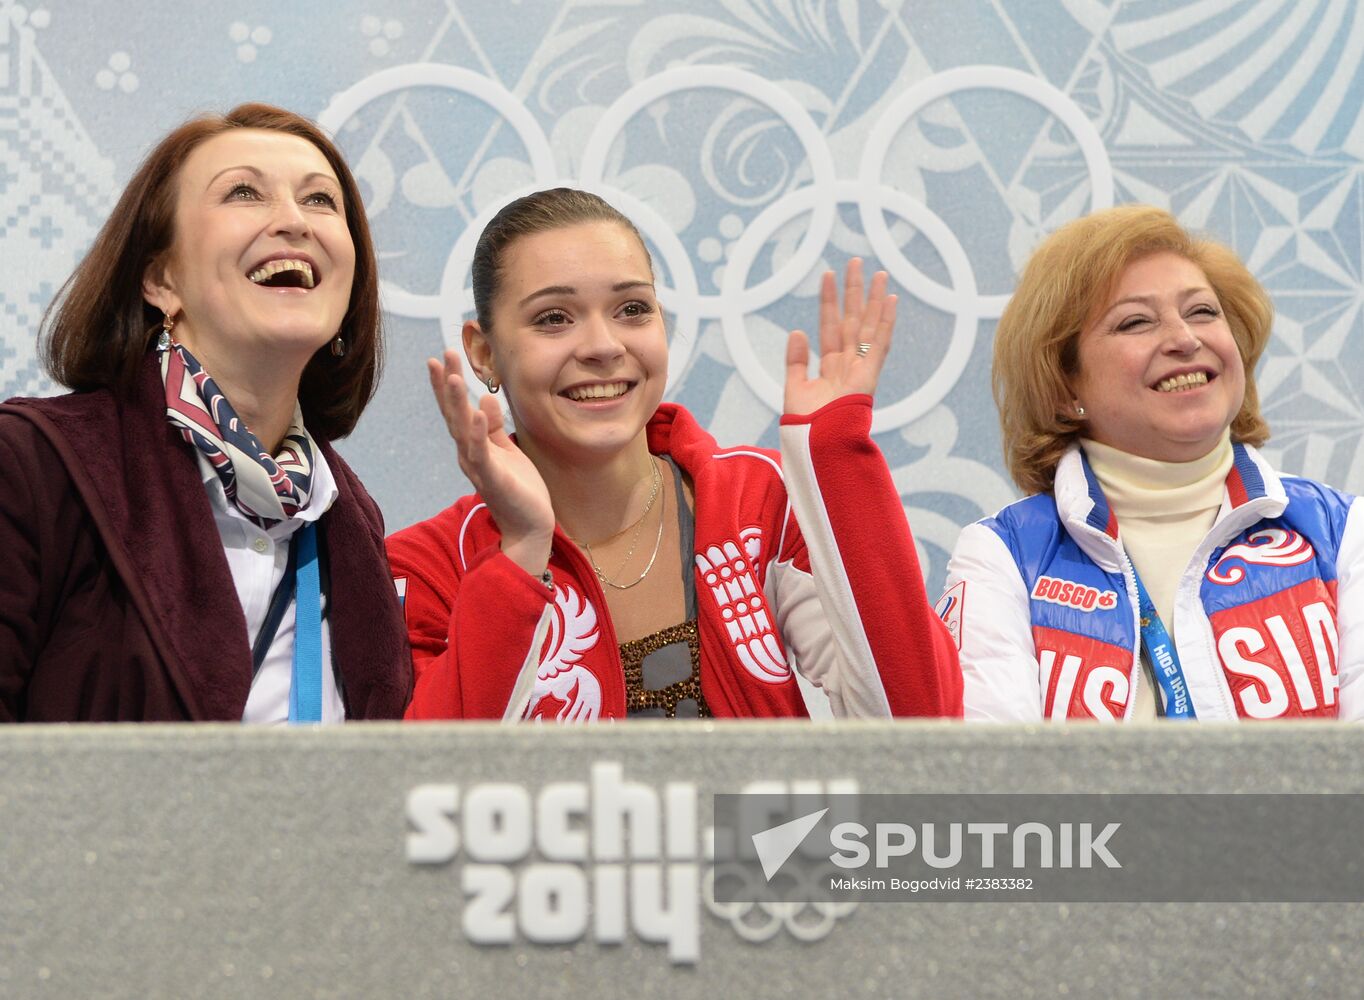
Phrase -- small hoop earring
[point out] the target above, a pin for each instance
(338, 347)
(1079, 410)
(492, 384)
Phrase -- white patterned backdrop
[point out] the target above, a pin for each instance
(755, 142)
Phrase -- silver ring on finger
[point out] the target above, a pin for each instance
(863, 349)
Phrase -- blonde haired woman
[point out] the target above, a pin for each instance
(1160, 567)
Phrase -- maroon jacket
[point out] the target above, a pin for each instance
(116, 601)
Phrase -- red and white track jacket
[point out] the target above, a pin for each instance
(812, 568)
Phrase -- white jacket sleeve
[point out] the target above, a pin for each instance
(1350, 616)
(986, 607)
(849, 598)
(810, 642)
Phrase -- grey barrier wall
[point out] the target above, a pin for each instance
(459, 860)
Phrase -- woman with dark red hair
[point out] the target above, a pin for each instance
(178, 540)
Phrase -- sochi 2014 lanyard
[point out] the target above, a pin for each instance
(305, 690)
(1160, 649)
(302, 583)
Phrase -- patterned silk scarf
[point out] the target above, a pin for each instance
(267, 489)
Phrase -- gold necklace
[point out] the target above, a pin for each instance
(639, 527)
(638, 523)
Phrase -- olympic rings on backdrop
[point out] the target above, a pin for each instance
(916, 98)
(345, 104)
(761, 91)
(819, 198)
(783, 210)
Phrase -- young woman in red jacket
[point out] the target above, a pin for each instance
(615, 560)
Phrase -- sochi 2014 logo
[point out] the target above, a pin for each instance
(605, 858)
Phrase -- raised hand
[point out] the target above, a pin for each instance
(852, 347)
(504, 477)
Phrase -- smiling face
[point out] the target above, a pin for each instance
(1159, 374)
(260, 268)
(577, 340)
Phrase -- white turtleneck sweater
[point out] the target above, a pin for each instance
(1164, 509)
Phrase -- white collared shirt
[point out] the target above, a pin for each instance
(257, 558)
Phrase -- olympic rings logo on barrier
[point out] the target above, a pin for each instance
(760, 921)
(819, 198)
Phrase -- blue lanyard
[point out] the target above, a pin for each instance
(1155, 639)
(305, 688)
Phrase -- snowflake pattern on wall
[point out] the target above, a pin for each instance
(940, 141)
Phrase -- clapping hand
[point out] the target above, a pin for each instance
(504, 477)
(852, 347)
